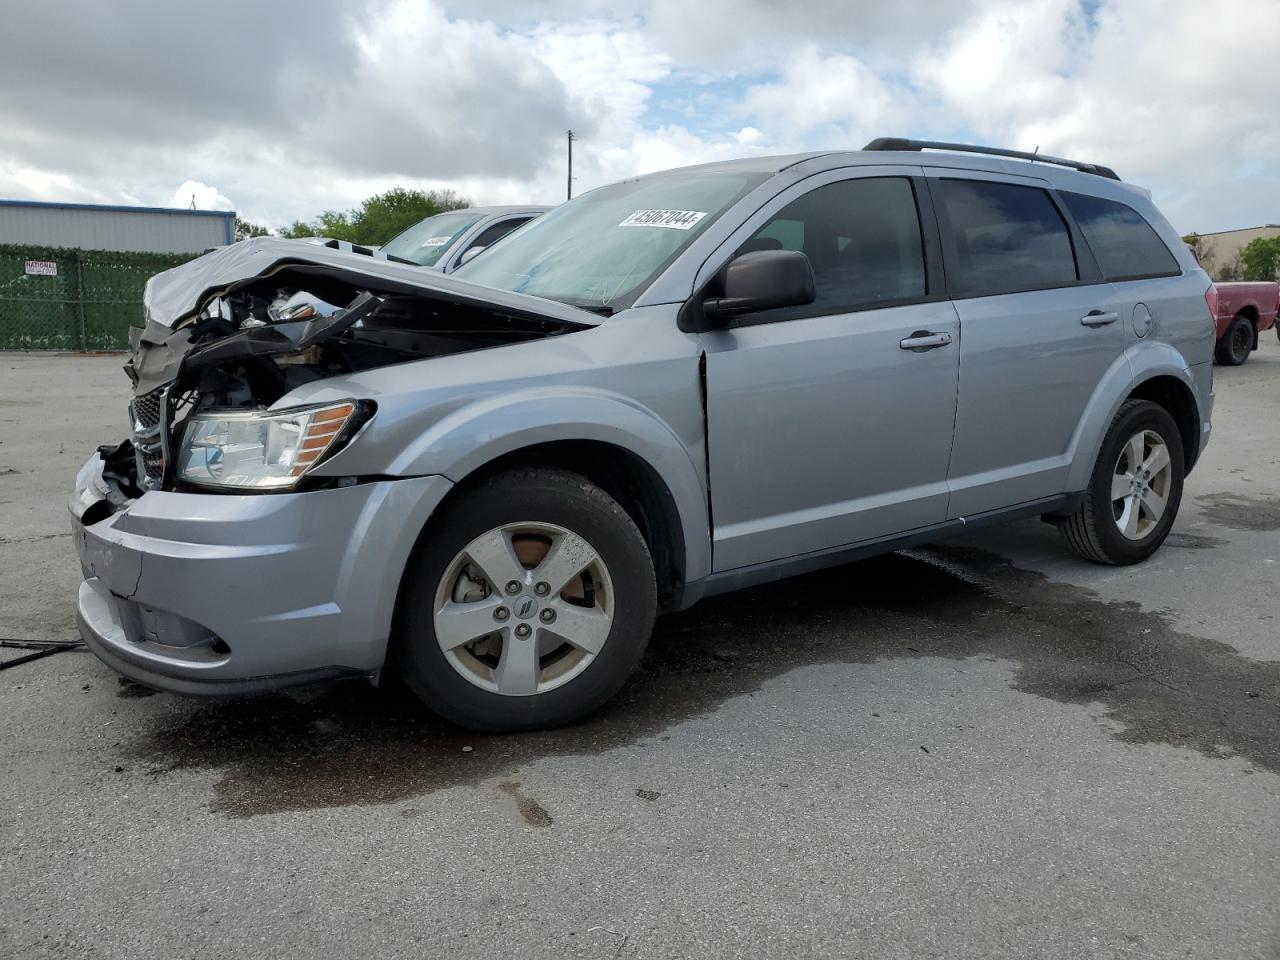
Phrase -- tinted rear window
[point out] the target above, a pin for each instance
(1006, 238)
(1126, 246)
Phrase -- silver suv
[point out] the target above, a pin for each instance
(491, 482)
(444, 241)
(447, 240)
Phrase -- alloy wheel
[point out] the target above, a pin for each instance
(524, 608)
(1140, 484)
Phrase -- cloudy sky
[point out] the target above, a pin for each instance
(281, 109)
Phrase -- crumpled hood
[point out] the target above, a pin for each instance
(175, 295)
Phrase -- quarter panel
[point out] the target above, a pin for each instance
(1180, 316)
(1142, 361)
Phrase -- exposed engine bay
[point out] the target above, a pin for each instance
(214, 341)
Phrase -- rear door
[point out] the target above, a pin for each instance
(825, 425)
(1039, 328)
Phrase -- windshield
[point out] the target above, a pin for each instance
(426, 241)
(602, 249)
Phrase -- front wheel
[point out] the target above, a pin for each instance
(527, 605)
(1235, 345)
(1135, 489)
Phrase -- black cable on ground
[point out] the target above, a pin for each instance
(41, 644)
(42, 648)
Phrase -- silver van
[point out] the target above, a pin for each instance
(491, 482)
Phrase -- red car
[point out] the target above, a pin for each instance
(1243, 310)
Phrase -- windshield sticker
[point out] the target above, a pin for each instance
(671, 219)
(435, 241)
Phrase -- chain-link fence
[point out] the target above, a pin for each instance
(67, 299)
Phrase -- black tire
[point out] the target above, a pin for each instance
(541, 495)
(1234, 346)
(1091, 532)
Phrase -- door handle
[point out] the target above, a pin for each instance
(1096, 318)
(923, 340)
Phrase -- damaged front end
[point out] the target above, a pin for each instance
(236, 330)
(191, 588)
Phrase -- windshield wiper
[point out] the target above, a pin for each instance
(590, 305)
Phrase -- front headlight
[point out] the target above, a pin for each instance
(261, 449)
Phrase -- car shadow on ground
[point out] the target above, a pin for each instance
(349, 743)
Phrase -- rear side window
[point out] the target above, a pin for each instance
(862, 238)
(1126, 246)
(1006, 238)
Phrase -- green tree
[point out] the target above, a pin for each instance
(245, 230)
(297, 230)
(1200, 250)
(379, 218)
(1260, 259)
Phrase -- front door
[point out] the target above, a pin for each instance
(831, 424)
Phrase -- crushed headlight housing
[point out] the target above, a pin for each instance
(265, 450)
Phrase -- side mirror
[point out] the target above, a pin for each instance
(762, 280)
(470, 254)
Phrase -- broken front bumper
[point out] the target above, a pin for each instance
(224, 594)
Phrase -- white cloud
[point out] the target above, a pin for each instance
(30, 183)
(199, 195)
(835, 96)
(750, 36)
(315, 105)
(1150, 87)
(1008, 64)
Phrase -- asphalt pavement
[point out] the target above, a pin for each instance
(984, 748)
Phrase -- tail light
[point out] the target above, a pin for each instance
(1211, 298)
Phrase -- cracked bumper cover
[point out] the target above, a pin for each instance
(225, 594)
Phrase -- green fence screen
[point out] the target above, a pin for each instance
(67, 299)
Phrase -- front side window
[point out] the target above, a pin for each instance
(1126, 246)
(426, 241)
(1006, 238)
(600, 250)
(862, 238)
(495, 232)
(491, 235)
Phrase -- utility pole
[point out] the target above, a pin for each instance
(569, 183)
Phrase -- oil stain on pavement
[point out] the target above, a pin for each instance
(534, 813)
(1242, 513)
(351, 744)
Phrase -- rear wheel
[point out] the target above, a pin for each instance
(1135, 489)
(1235, 345)
(528, 605)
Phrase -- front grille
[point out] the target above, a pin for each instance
(153, 466)
(146, 409)
(147, 412)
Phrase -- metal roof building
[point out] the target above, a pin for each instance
(98, 227)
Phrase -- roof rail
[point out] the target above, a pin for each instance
(899, 143)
